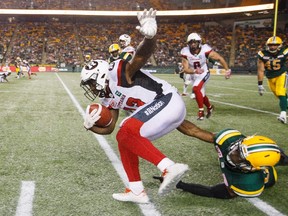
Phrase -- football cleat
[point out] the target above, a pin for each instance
(192, 96)
(171, 176)
(282, 117)
(209, 111)
(200, 115)
(129, 196)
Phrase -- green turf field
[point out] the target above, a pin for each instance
(43, 142)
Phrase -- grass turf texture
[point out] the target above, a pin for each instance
(42, 139)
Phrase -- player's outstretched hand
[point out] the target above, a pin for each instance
(148, 24)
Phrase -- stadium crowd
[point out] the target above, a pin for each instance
(125, 5)
(57, 42)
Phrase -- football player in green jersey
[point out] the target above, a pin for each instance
(114, 50)
(247, 165)
(272, 62)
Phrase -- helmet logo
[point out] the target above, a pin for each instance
(91, 65)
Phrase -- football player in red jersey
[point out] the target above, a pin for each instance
(123, 85)
(194, 61)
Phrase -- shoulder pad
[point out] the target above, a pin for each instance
(226, 134)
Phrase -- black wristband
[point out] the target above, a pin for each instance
(260, 82)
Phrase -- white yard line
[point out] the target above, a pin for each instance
(147, 209)
(244, 107)
(264, 207)
(25, 202)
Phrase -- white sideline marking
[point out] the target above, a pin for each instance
(147, 209)
(243, 107)
(25, 202)
(264, 207)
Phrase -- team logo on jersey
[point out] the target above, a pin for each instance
(118, 93)
(91, 65)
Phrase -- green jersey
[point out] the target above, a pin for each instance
(275, 64)
(249, 184)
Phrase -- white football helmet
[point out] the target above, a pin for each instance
(194, 37)
(124, 40)
(94, 78)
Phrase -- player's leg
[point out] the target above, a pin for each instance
(280, 92)
(199, 90)
(134, 137)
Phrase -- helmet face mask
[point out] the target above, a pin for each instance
(254, 153)
(94, 79)
(87, 58)
(124, 40)
(274, 44)
(114, 50)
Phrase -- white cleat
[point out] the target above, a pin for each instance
(192, 96)
(282, 117)
(129, 196)
(171, 176)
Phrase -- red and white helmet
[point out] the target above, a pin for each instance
(94, 78)
(124, 40)
(194, 38)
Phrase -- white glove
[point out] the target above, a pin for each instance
(199, 70)
(148, 25)
(261, 90)
(228, 74)
(91, 118)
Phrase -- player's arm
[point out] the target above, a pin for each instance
(189, 70)
(260, 70)
(186, 68)
(143, 53)
(148, 28)
(260, 76)
(217, 57)
(220, 191)
(190, 129)
(110, 128)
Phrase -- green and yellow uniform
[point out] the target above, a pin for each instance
(244, 184)
(275, 70)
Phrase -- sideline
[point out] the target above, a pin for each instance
(147, 209)
(25, 202)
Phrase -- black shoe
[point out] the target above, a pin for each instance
(283, 159)
(160, 178)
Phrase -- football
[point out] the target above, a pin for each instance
(106, 116)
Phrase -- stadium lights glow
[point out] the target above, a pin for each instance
(261, 7)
